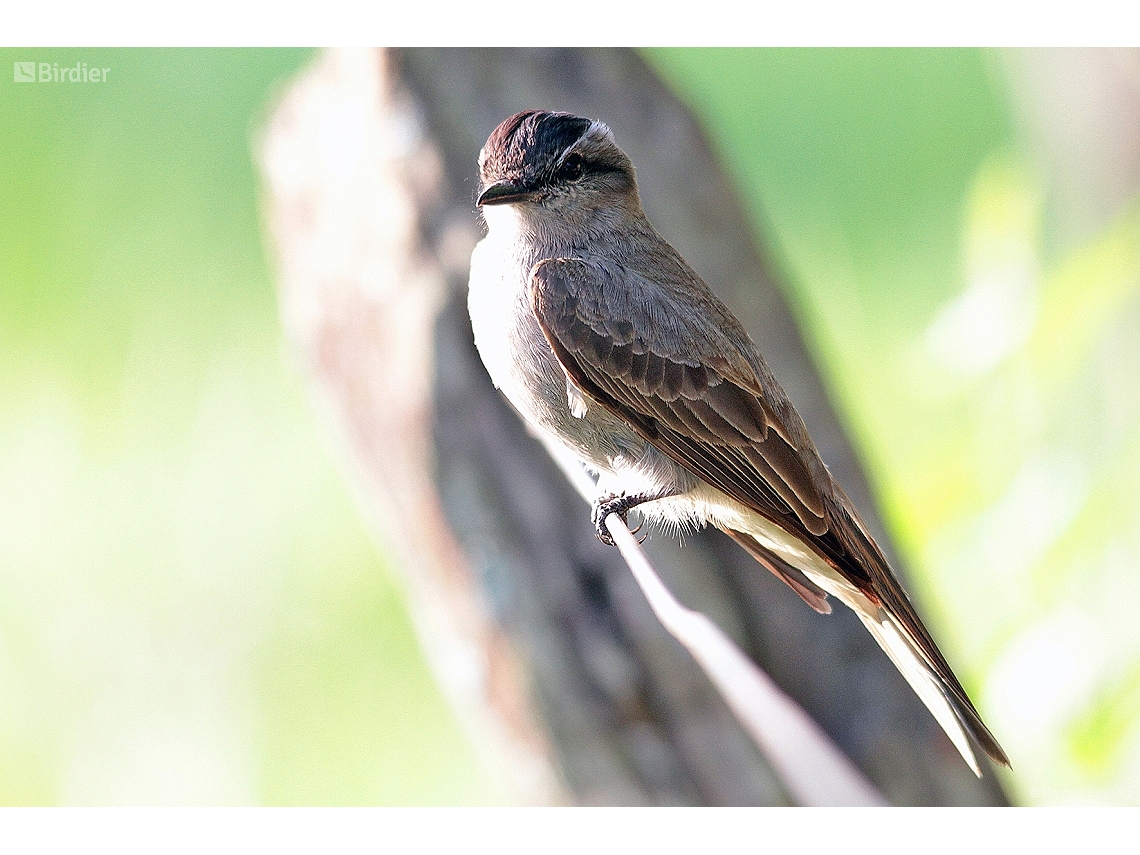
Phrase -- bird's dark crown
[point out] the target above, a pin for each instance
(537, 150)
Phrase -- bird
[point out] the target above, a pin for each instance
(611, 346)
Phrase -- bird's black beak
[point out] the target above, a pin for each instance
(503, 193)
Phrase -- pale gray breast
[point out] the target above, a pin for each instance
(522, 365)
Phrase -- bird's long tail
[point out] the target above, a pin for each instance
(893, 638)
(898, 630)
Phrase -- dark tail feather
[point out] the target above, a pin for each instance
(795, 579)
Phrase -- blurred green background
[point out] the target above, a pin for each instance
(191, 610)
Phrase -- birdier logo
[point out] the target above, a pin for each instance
(51, 72)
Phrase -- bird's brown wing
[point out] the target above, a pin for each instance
(673, 364)
(681, 384)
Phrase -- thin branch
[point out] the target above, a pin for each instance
(815, 772)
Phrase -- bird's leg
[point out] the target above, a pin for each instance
(613, 503)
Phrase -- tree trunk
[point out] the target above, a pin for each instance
(545, 645)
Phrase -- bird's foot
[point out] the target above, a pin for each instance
(611, 503)
(620, 504)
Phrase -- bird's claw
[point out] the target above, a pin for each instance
(613, 503)
(640, 526)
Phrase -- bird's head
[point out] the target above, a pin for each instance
(541, 163)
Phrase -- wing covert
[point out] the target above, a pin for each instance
(704, 408)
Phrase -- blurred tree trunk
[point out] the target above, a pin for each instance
(564, 678)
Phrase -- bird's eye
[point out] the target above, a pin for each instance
(571, 168)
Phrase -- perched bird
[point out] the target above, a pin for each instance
(607, 342)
